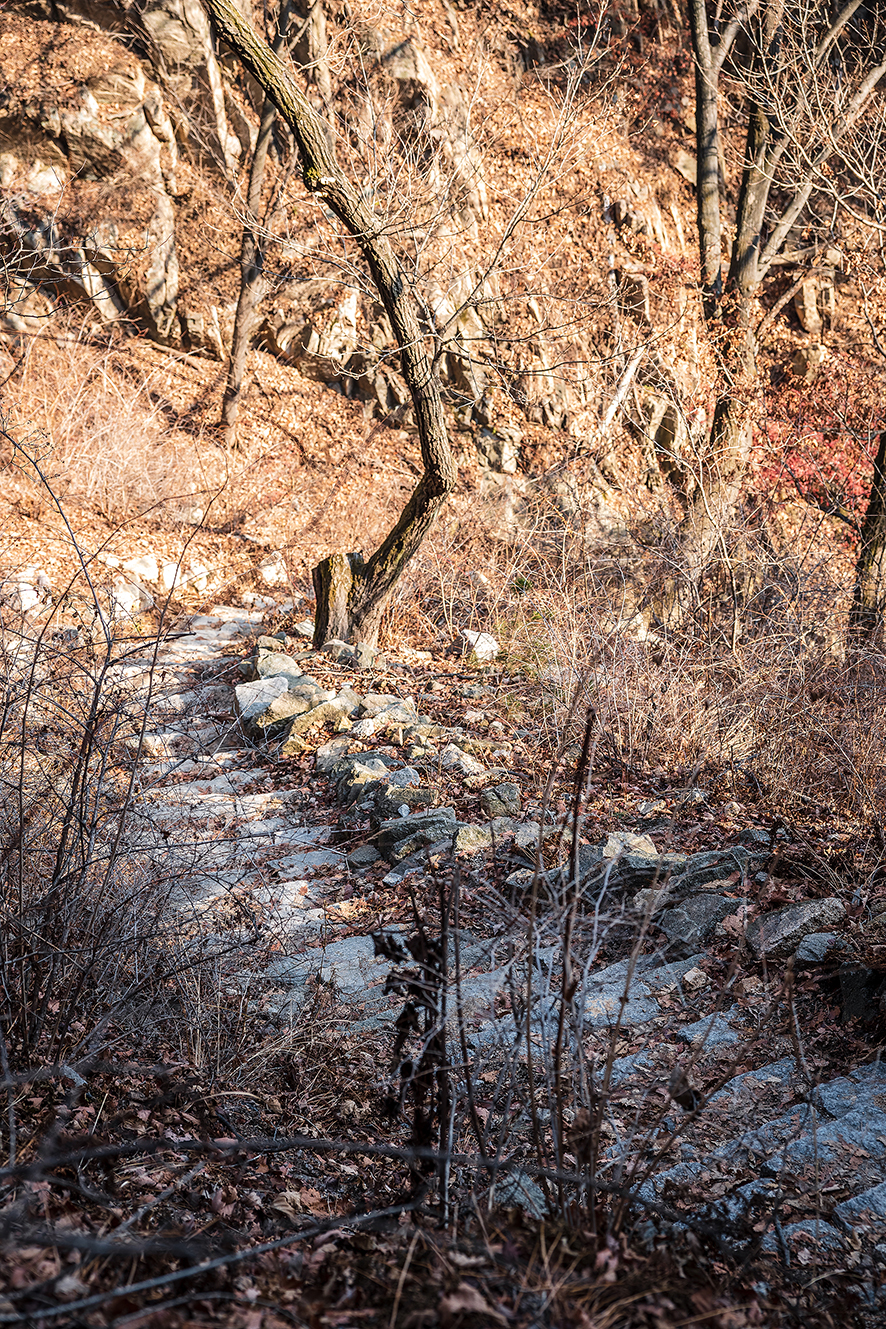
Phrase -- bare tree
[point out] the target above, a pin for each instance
(416, 249)
(257, 226)
(803, 80)
(351, 592)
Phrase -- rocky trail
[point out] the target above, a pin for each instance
(284, 869)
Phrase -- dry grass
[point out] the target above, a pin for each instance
(104, 434)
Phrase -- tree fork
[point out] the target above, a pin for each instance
(322, 176)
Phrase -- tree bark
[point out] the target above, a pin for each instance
(866, 612)
(253, 283)
(374, 580)
(252, 279)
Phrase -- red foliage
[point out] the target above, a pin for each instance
(818, 440)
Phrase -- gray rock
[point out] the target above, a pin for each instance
(390, 798)
(272, 721)
(862, 1131)
(453, 758)
(865, 1210)
(747, 1086)
(711, 1032)
(328, 712)
(604, 991)
(814, 948)
(714, 865)
(376, 702)
(432, 855)
(351, 963)
(404, 778)
(400, 715)
(846, 1093)
(363, 857)
(401, 836)
(807, 1230)
(348, 697)
(252, 699)
(330, 754)
(355, 781)
(502, 800)
(339, 650)
(527, 835)
(502, 828)
(288, 971)
(472, 839)
(690, 923)
(480, 646)
(518, 1190)
(779, 933)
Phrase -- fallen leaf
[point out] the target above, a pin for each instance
(466, 1300)
(288, 1203)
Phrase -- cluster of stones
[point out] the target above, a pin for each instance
(384, 763)
(282, 705)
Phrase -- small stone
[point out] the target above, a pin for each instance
(363, 857)
(779, 932)
(501, 800)
(281, 709)
(375, 702)
(481, 646)
(696, 979)
(527, 836)
(26, 598)
(143, 568)
(518, 1190)
(348, 697)
(303, 629)
(127, 597)
(692, 921)
(685, 164)
(331, 753)
(711, 1032)
(816, 946)
(454, 758)
(865, 1210)
(251, 699)
(328, 712)
(273, 570)
(626, 842)
(199, 575)
(807, 362)
(472, 839)
(400, 837)
(339, 650)
(171, 576)
(365, 656)
(364, 728)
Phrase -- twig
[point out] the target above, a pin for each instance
(402, 1279)
(4, 1066)
(195, 1271)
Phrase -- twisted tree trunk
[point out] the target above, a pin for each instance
(372, 581)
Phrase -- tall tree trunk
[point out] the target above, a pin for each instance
(372, 581)
(728, 310)
(866, 613)
(252, 279)
(252, 254)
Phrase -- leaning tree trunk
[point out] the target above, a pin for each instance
(866, 612)
(252, 278)
(253, 283)
(355, 602)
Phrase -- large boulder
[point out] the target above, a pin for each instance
(176, 40)
(63, 141)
